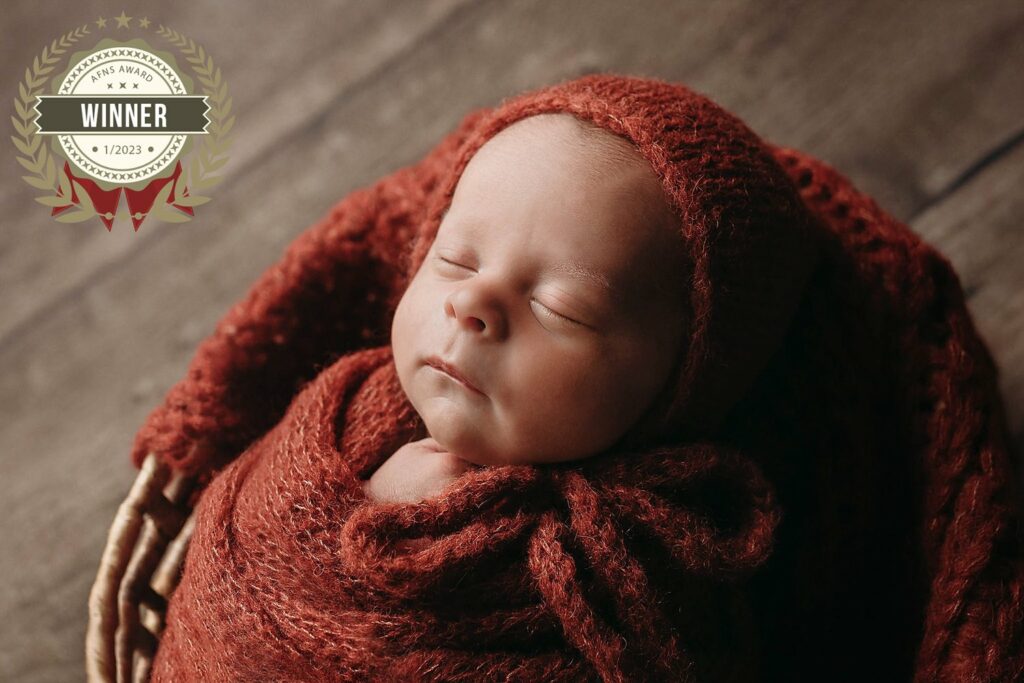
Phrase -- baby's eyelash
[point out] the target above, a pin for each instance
(452, 263)
(547, 311)
(556, 314)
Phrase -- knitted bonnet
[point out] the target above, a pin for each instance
(829, 362)
(751, 242)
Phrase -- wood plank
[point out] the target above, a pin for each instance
(280, 75)
(79, 378)
(812, 70)
(38, 277)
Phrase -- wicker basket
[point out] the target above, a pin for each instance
(140, 568)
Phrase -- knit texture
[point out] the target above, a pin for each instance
(824, 490)
(532, 575)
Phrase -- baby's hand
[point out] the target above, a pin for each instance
(415, 471)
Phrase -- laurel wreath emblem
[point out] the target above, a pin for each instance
(200, 175)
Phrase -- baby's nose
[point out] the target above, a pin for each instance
(475, 312)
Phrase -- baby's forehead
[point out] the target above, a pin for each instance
(575, 158)
(545, 163)
(577, 138)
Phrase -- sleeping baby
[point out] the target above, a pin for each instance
(528, 482)
(542, 323)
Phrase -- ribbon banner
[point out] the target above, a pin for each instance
(73, 114)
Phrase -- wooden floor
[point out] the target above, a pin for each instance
(920, 104)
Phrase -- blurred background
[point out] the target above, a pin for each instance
(921, 104)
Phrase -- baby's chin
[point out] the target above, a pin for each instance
(470, 447)
(480, 450)
(470, 434)
(466, 442)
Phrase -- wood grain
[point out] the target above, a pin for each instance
(918, 103)
(295, 73)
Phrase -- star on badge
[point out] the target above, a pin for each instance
(122, 21)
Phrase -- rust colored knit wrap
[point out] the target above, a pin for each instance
(823, 491)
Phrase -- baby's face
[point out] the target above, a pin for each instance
(552, 286)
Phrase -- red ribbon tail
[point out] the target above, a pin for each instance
(140, 202)
(105, 201)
